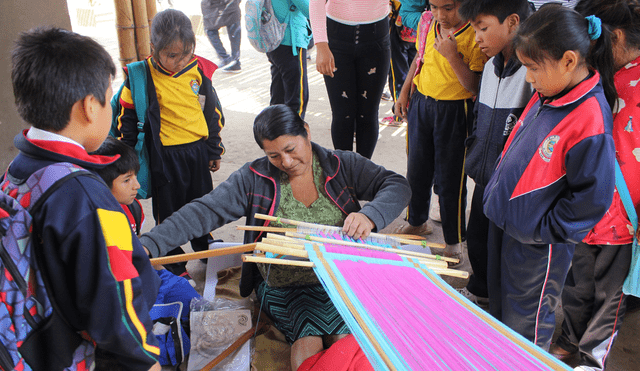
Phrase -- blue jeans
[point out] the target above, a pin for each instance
(234, 31)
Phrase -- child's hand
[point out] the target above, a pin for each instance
(400, 107)
(446, 45)
(214, 165)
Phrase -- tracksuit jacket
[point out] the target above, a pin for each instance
(502, 98)
(555, 178)
(100, 277)
(255, 188)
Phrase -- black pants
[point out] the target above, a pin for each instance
(187, 170)
(289, 84)
(402, 54)
(592, 301)
(435, 135)
(477, 235)
(361, 54)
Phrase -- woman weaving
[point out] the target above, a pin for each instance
(300, 180)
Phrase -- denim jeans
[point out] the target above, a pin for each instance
(234, 31)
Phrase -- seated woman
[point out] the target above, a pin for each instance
(299, 180)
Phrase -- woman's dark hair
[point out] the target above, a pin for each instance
(275, 121)
(554, 29)
(127, 162)
(622, 14)
(52, 69)
(170, 26)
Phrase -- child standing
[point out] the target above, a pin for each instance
(504, 92)
(98, 273)
(184, 121)
(555, 177)
(439, 116)
(592, 299)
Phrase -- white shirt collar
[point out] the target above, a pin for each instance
(39, 134)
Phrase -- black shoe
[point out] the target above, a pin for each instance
(233, 67)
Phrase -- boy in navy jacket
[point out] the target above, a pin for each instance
(99, 274)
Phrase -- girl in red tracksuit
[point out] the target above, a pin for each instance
(555, 178)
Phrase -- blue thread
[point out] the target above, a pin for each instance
(595, 27)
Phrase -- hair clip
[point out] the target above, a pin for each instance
(595, 27)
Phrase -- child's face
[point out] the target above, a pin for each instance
(101, 122)
(173, 58)
(125, 188)
(491, 35)
(549, 78)
(446, 13)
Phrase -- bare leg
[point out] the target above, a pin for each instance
(304, 348)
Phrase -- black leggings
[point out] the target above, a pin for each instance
(362, 58)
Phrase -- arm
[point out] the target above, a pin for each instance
(215, 122)
(325, 63)
(448, 47)
(402, 103)
(410, 12)
(127, 118)
(226, 203)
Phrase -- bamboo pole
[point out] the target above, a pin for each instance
(203, 254)
(141, 22)
(151, 11)
(405, 241)
(259, 259)
(258, 228)
(126, 32)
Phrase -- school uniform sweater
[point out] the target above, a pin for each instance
(98, 272)
(555, 177)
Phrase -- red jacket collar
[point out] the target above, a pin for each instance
(70, 150)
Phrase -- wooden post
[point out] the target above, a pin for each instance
(151, 11)
(142, 28)
(126, 32)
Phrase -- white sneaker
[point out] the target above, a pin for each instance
(479, 301)
(434, 210)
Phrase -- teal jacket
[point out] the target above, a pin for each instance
(295, 13)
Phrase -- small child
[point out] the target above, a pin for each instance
(592, 300)
(98, 273)
(439, 116)
(120, 176)
(555, 178)
(185, 119)
(503, 94)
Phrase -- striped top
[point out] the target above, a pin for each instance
(350, 12)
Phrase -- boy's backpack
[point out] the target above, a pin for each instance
(264, 30)
(34, 335)
(137, 72)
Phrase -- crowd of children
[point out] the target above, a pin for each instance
(541, 128)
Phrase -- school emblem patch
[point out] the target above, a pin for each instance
(195, 86)
(546, 148)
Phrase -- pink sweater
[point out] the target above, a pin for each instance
(351, 12)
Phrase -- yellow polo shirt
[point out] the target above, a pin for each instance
(436, 78)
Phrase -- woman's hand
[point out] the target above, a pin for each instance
(357, 225)
(325, 64)
(214, 165)
(446, 45)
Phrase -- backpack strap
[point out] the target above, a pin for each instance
(426, 20)
(136, 211)
(138, 86)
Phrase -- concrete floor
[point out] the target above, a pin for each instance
(245, 94)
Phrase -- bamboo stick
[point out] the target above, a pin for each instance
(203, 254)
(236, 344)
(258, 259)
(378, 235)
(126, 32)
(358, 244)
(259, 228)
(151, 10)
(450, 272)
(141, 21)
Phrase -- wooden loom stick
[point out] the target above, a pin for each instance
(258, 228)
(302, 253)
(366, 246)
(203, 254)
(259, 259)
(236, 344)
(373, 234)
